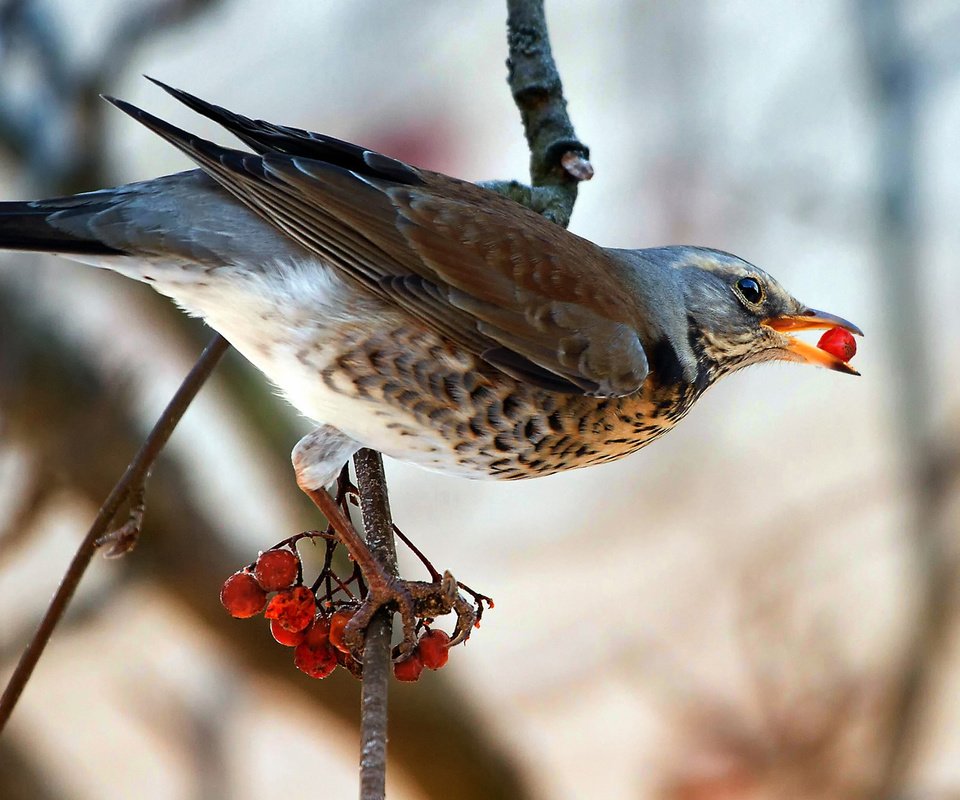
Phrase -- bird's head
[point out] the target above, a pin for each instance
(738, 315)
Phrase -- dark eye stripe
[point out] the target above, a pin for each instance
(750, 289)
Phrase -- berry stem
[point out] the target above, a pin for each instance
(434, 575)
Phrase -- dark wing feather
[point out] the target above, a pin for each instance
(267, 137)
(532, 299)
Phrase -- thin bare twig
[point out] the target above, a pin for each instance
(378, 529)
(132, 480)
(558, 162)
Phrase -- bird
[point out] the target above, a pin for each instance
(423, 316)
(426, 317)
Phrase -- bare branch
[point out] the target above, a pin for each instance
(131, 482)
(378, 529)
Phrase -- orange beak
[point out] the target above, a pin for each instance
(813, 320)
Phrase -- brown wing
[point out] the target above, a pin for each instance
(523, 294)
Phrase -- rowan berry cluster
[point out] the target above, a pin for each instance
(313, 619)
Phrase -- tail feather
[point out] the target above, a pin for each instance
(26, 226)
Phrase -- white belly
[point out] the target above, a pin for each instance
(290, 321)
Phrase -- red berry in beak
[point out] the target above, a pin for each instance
(838, 342)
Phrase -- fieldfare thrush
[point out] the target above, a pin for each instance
(421, 315)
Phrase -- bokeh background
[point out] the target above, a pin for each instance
(760, 605)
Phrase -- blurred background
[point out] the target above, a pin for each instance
(760, 605)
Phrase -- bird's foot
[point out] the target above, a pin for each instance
(326, 620)
(468, 616)
(417, 602)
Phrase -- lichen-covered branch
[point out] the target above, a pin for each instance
(558, 159)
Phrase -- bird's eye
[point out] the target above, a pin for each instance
(750, 289)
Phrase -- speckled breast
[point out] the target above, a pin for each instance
(446, 410)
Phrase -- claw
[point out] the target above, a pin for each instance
(393, 593)
(443, 596)
(466, 618)
(413, 600)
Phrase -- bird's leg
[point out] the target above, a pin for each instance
(382, 588)
(318, 460)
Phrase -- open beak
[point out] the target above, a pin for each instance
(811, 319)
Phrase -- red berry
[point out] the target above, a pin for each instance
(276, 569)
(317, 661)
(242, 596)
(337, 623)
(285, 637)
(293, 609)
(319, 633)
(352, 666)
(838, 342)
(434, 648)
(409, 669)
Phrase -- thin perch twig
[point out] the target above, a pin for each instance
(558, 162)
(132, 480)
(378, 529)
